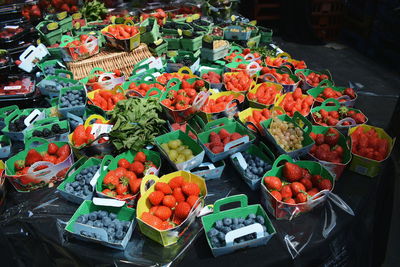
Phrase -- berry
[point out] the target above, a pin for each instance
(163, 212)
(191, 189)
(169, 201)
(182, 210)
(163, 187)
(156, 197)
(176, 182)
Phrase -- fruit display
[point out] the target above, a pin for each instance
(73, 98)
(282, 78)
(218, 141)
(177, 152)
(279, 61)
(314, 79)
(264, 93)
(212, 77)
(18, 124)
(116, 229)
(256, 166)
(297, 185)
(326, 146)
(159, 14)
(368, 144)
(286, 134)
(143, 88)
(329, 92)
(238, 81)
(221, 103)
(333, 117)
(296, 101)
(257, 116)
(121, 31)
(81, 187)
(8, 32)
(106, 99)
(222, 227)
(171, 203)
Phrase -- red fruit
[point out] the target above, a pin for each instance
(123, 163)
(179, 196)
(292, 172)
(320, 139)
(315, 179)
(163, 212)
(313, 191)
(191, 189)
(217, 149)
(121, 189)
(52, 149)
(307, 183)
(32, 157)
(151, 220)
(163, 187)
(332, 137)
(273, 182)
(191, 200)
(169, 201)
(137, 167)
(182, 210)
(19, 165)
(276, 195)
(306, 174)
(224, 134)
(235, 136)
(286, 192)
(156, 197)
(141, 157)
(176, 182)
(64, 151)
(109, 193)
(134, 185)
(297, 188)
(301, 198)
(325, 184)
(289, 201)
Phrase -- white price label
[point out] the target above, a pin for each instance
(98, 129)
(14, 87)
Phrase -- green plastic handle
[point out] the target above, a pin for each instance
(173, 80)
(96, 69)
(159, 92)
(330, 100)
(152, 78)
(237, 198)
(238, 57)
(46, 121)
(76, 165)
(140, 67)
(33, 139)
(325, 83)
(235, 48)
(308, 126)
(66, 39)
(105, 162)
(284, 69)
(281, 158)
(267, 151)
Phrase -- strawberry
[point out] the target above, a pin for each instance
(297, 188)
(215, 138)
(313, 191)
(289, 201)
(134, 185)
(325, 184)
(153, 209)
(177, 221)
(359, 118)
(235, 136)
(292, 172)
(156, 197)
(137, 167)
(166, 225)
(163, 213)
(109, 193)
(182, 210)
(191, 189)
(306, 182)
(50, 158)
(163, 187)
(276, 195)
(301, 198)
(32, 157)
(331, 137)
(191, 200)
(121, 189)
(350, 92)
(286, 191)
(52, 149)
(169, 201)
(64, 151)
(224, 134)
(320, 139)
(111, 180)
(176, 182)
(124, 163)
(273, 183)
(315, 179)
(19, 165)
(217, 149)
(151, 220)
(141, 157)
(179, 196)
(79, 136)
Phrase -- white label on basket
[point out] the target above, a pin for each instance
(98, 129)
(15, 87)
(12, 27)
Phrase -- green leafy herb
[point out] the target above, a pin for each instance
(136, 123)
(93, 10)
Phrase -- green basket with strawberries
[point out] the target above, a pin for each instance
(223, 141)
(251, 226)
(295, 188)
(310, 78)
(326, 89)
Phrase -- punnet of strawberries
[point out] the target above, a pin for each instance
(327, 147)
(314, 78)
(328, 92)
(282, 78)
(221, 103)
(171, 203)
(212, 77)
(54, 154)
(238, 81)
(296, 101)
(332, 118)
(219, 140)
(124, 182)
(265, 94)
(297, 184)
(258, 116)
(368, 144)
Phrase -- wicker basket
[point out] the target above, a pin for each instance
(109, 61)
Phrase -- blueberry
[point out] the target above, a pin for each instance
(84, 171)
(113, 216)
(78, 188)
(106, 221)
(260, 170)
(82, 183)
(69, 188)
(87, 191)
(104, 213)
(215, 242)
(79, 219)
(118, 226)
(248, 222)
(90, 223)
(234, 226)
(98, 223)
(241, 225)
(240, 220)
(227, 221)
(260, 219)
(226, 230)
(111, 232)
(219, 224)
(111, 225)
(75, 184)
(119, 234)
(221, 236)
(125, 225)
(213, 232)
(235, 221)
(93, 216)
(251, 216)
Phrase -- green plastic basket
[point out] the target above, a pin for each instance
(192, 44)
(49, 38)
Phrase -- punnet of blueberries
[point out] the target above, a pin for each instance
(116, 229)
(220, 228)
(256, 167)
(73, 98)
(58, 86)
(81, 186)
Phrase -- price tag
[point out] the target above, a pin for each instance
(98, 129)
(12, 27)
(15, 87)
